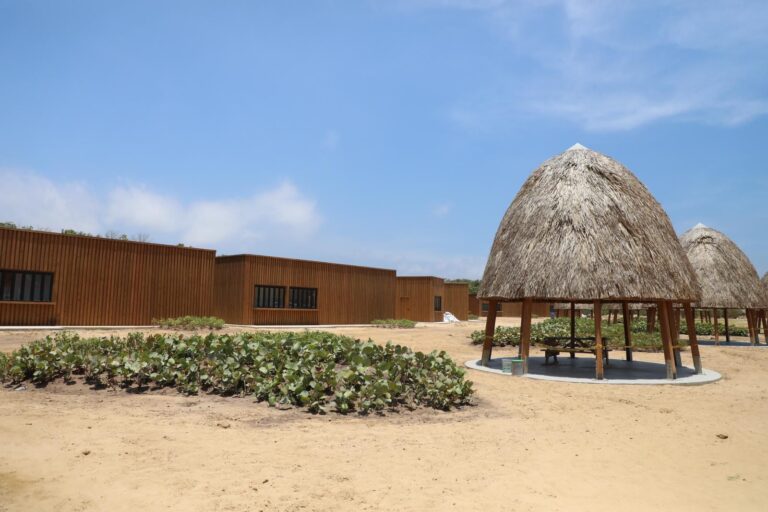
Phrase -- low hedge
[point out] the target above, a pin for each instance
(391, 323)
(190, 323)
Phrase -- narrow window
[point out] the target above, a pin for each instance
(438, 303)
(47, 287)
(37, 288)
(17, 288)
(27, 295)
(303, 298)
(269, 297)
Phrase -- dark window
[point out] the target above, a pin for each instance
(26, 286)
(438, 303)
(484, 305)
(303, 298)
(269, 297)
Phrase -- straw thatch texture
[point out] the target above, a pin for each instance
(726, 276)
(765, 290)
(582, 228)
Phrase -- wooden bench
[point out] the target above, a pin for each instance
(553, 346)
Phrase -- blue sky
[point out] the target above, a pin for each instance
(385, 133)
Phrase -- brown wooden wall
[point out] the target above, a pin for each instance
(456, 299)
(346, 294)
(98, 281)
(474, 305)
(540, 309)
(416, 298)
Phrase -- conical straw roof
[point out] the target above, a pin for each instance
(727, 277)
(582, 228)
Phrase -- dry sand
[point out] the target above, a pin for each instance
(525, 445)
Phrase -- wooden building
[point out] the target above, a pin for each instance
(474, 304)
(539, 309)
(426, 298)
(54, 279)
(265, 290)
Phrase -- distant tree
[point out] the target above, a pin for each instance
(9, 225)
(474, 284)
(114, 235)
(75, 232)
(140, 237)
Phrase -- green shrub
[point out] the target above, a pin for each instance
(391, 323)
(316, 370)
(472, 316)
(707, 329)
(190, 323)
(585, 327)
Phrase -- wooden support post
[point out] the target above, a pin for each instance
(674, 334)
(714, 321)
(764, 316)
(490, 330)
(525, 332)
(573, 329)
(725, 321)
(756, 325)
(751, 325)
(627, 331)
(690, 319)
(597, 309)
(666, 340)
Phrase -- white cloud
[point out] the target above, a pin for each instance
(33, 200)
(617, 65)
(270, 216)
(442, 209)
(143, 209)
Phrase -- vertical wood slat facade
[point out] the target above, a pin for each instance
(99, 281)
(346, 294)
(416, 298)
(538, 309)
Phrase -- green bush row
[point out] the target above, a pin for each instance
(391, 323)
(190, 323)
(707, 329)
(561, 327)
(316, 370)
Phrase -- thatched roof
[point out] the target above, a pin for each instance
(765, 289)
(582, 228)
(726, 276)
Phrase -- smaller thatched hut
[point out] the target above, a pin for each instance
(727, 278)
(582, 229)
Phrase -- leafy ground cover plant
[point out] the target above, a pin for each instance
(391, 323)
(190, 323)
(316, 370)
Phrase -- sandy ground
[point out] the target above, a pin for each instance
(524, 445)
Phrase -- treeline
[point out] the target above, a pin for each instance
(112, 235)
(474, 284)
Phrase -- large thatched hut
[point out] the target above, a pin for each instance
(583, 228)
(727, 278)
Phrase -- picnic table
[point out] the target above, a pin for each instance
(553, 346)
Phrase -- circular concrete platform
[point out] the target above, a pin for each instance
(582, 370)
